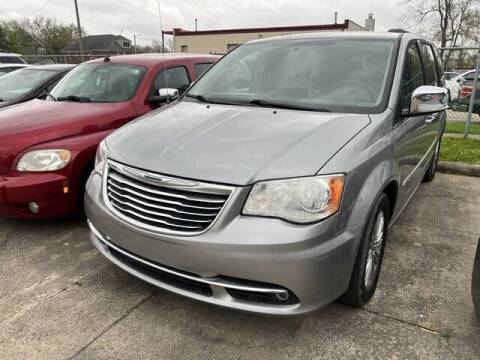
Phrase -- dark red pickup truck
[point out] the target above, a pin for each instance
(47, 147)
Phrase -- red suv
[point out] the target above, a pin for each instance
(47, 147)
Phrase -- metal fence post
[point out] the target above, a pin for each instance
(472, 99)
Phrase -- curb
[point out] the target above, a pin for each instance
(458, 168)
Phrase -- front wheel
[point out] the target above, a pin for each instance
(370, 255)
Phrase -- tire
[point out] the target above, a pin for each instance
(432, 167)
(476, 282)
(368, 264)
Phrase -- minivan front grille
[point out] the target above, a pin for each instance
(163, 203)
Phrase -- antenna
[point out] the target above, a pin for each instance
(163, 43)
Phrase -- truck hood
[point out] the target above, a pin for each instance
(233, 144)
(37, 121)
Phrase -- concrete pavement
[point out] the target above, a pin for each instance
(59, 299)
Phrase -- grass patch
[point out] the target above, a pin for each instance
(459, 150)
(459, 128)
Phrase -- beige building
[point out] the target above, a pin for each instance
(221, 41)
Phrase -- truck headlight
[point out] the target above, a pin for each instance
(299, 200)
(101, 158)
(44, 160)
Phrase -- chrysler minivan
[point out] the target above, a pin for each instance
(270, 185)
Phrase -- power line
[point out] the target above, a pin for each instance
(42, 7)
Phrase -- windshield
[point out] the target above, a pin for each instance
(104, 82)
(20, 82)
(323, 75)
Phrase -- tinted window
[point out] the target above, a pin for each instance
(201, 68)
(104, 82)
(430, 65)
(412, 74)
(18, 83)
(10, 60)
(317, 74)
(176, 78)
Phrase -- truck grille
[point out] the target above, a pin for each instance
(163, 203)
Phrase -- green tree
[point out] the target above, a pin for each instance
(38, 36)
(48, 36)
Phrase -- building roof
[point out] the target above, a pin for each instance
(106, 42)
(324, 27)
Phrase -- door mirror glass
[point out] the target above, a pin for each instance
(428, 99)
(164, 95)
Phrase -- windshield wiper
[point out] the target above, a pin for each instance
(50, 96)
(209, 100)
(74, 98)
(267, 103)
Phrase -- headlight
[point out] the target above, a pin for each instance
(44, 160)
(101, 158)
(300, 200)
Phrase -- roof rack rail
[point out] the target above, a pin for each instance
(398, 30)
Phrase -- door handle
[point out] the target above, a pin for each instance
(429, 119)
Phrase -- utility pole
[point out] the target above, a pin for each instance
(79, 30)
(135, 42)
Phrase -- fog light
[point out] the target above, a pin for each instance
(282, 296)
(34, 208)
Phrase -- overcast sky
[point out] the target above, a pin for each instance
(141, 16)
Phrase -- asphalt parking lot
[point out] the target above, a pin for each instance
(59, 299)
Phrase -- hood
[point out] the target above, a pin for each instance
(233, 144)
(37, 121)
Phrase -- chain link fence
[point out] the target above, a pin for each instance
(460, 66)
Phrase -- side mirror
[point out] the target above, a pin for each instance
(428, 99)
(163, 96)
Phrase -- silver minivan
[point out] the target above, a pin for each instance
(270, 185)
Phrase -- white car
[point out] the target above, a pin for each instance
(453, 85)
(6, 68)
(10, 58)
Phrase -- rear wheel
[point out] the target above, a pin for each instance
(370, 256)
(432, 168)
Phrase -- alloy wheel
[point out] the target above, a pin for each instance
(374, 251)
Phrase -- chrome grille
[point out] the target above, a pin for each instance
(163, 203)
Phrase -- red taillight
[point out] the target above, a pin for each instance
(466, 91)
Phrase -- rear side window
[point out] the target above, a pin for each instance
(10, 60)
(430, 65)
(412, 75)
(176, 78)
(201, 68)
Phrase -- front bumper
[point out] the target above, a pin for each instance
(47, 190)
(242, 262)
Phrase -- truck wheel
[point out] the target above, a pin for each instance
(370, 255)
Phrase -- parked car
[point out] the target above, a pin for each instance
(271, 184)
(465, 95)
(450, 74)
(476, 282)
(30, 83)
(10, 58)
(47, 147)
(6, 68)
(454, 84)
